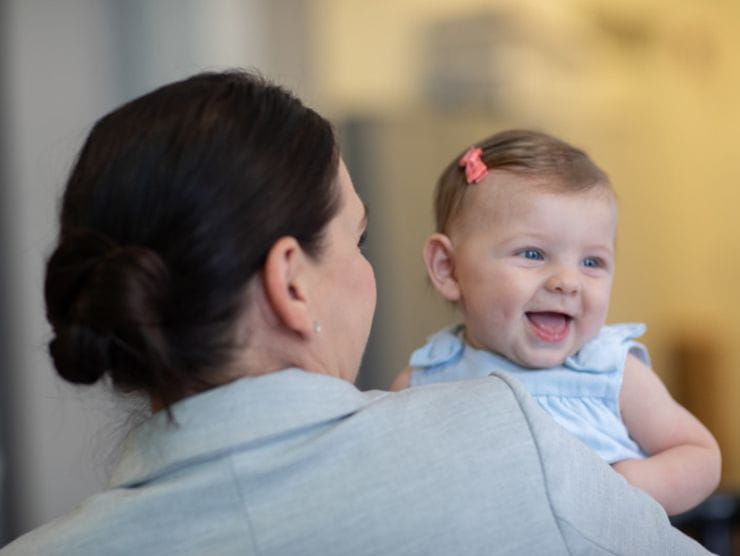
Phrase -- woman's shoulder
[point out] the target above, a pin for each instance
(477, 400)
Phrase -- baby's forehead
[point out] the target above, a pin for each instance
(507, 194)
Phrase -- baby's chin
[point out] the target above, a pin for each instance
(540, 360)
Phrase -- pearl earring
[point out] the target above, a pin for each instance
(316, 326)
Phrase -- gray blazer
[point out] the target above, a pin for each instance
(299, 463)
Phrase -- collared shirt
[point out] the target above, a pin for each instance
(294, 462)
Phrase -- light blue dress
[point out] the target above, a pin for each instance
(582, 394)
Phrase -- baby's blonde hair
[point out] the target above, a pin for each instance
(523, 152)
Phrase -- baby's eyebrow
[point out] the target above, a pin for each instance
(601, 248)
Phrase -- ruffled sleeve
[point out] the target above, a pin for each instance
(598, 355)
(443, 348)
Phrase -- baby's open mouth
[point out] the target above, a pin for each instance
(550, 326)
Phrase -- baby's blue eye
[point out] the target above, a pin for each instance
(362, 240)
(592, 262)
(532, 254)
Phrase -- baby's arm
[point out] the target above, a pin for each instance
(684, 461)
(401, 381)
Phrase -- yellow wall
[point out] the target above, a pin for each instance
(651, 90)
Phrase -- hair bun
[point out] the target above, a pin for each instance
(80, 355)
(99, 296)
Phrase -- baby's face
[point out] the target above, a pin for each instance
(534, 267)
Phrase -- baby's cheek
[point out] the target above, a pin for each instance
(597, 321)
(604, 306)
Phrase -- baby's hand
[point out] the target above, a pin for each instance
(678, 478)
(627, 467)
(685, 462)
(402, 380)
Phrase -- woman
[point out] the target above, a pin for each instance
(209, 258)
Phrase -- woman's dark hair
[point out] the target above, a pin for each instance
(170, 209)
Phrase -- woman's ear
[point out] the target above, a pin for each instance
(438, 254)
(285, 279)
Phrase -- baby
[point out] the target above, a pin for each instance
(525, 247)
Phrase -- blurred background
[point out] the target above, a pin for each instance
(649, 89)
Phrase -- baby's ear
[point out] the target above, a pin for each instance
(439, 258)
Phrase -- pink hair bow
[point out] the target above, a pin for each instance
(475, 169)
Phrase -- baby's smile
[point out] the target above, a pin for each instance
(550, 326)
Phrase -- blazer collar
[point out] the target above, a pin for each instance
(241, 412)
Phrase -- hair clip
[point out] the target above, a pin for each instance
(475, 169)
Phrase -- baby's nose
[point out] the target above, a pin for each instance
(563, 281)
